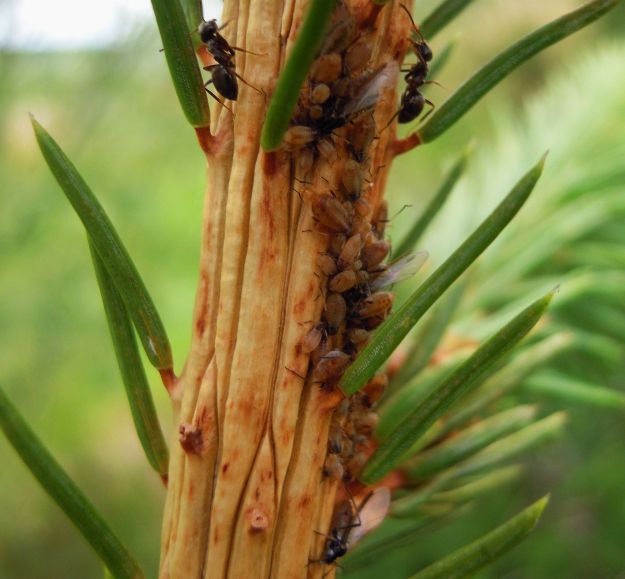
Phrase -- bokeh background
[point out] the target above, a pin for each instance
(94, 76)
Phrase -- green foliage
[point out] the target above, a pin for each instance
(110, 249)
(66, 494)
(464, 562)
(173, 26)
(503, 64)
(397, 326)
(449, 391)
(131, 368)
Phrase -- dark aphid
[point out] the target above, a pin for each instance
(350, 251)
(335, 312)
(330, 213)
(331, 366)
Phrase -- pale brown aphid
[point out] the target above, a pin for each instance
(375, 253)
(360, 134)
(343, 281)
(358, 55)
(341, 32)
(330, 213)
(336, 310)
(375, 388)
(305, 160)
(327, 150)
(350, 251)
(327, 68)
(337, 243)
(311, 339)
(315, 112)
(320, 94)
(362, 207)
(299, 136)
(331, 366)
(352, 179)
(376, 305)
(327, 265)
(367, 422)
(359, 335)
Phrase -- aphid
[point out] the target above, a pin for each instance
(350, 251)
(333, 467)
(330, 213)
(375, 388)
(320, 351)
(299, 136)
(320, 94)
(360, 134)
(375, 305)
(358, 54)
(362, 207)
(326, 264)
(335, 439)
(331, 366)
(336, 311)
(368, 95)
(358, 335)
(367, 422)
(401, 269)
(311, 339)
(352, 179)
(327, 68)
(337, 243)
(305, 160)
(341, 32)
(343, 281)
(351, 523)
(355, 463)
(375, 253)
(327, 150)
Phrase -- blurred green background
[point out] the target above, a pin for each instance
(115, 113)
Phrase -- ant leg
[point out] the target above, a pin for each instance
(386, 126)
(220, 101)
(248, 51)
(430, 111)
(248, 84)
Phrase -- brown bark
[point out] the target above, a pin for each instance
(246, 489)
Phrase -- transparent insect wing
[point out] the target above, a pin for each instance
(369, 94)
(400, 270)
(371, 513)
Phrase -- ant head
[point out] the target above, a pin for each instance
(207, 29)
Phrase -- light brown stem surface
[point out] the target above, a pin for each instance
(246, 491)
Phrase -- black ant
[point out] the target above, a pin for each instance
(223, 74)
(412, 101)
